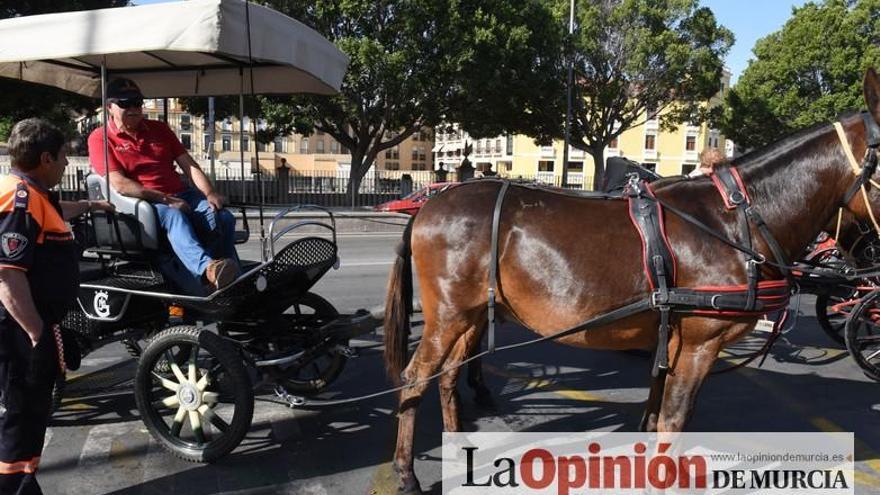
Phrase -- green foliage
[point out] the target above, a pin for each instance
(490, 64)
(807, 73)
(6, 124)
(22, 99)
(633, 55)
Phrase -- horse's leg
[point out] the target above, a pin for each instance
(652, 407)
(691, 366)
(475, 380)
(431, 353)
(466, 346)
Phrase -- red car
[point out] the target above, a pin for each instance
(411, 203)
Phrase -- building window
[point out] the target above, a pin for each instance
(226, 125)
(650, 142)
(392, 166)
(246, 144)
(319, 146)
(497, 146)
(509, 144)
(613, 144)
(650, 166)
(185, 122)
(334, 147)
(261, 146)
(304, 145)
(227, 142)
(545, 166)
(690, 143)
(687, 168)
(392, 153)
(186, 141)
(575, 166)
(479, 147)
(207, 143)
(278, 145)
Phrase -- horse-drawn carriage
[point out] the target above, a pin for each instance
(200, 355)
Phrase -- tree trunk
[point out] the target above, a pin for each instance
(598, 154)
(355, 176)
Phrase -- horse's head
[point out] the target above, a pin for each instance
(863, 195)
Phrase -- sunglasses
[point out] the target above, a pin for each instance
(129, 103)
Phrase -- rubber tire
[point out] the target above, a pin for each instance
(850, 334)
(834, 333)
(325, 309)
(229, 358)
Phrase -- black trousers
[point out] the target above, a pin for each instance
(27, 375)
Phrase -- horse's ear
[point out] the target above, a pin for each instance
(872, 93)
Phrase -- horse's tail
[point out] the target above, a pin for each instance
(398, 307)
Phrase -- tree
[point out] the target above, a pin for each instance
(414, 63)
(804, 74)
(23, 99)
(632, 56)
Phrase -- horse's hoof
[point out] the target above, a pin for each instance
(410, 488)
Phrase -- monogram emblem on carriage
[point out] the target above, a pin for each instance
(13, 244)
(102, 308)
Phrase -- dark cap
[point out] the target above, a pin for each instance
(123, 89)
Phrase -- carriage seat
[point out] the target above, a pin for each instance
(139, 232)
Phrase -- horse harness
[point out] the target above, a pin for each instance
(646, 212)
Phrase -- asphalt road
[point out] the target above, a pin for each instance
(99, 446)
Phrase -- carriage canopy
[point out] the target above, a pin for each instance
(193, 48)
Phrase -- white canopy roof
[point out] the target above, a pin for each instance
(172, 49)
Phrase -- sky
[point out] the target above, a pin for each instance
(748, 19)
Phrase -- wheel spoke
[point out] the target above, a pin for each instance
(213, 418)
(210, 397)
(196, 422)
(193, 354)
(873, 355)
(174, 387)
(203, 382)
(178, 422)
(174, 367)
(168, 402)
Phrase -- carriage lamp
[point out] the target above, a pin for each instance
(175, 311)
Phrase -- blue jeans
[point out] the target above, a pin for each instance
(200, 235)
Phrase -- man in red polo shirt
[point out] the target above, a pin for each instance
(141, 156)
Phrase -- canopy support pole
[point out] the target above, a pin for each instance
(105, 112)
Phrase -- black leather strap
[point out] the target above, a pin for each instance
(493, 262)
(647, 218)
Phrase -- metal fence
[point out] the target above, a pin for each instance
(313, 187)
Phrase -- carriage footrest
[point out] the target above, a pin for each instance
(349, 327)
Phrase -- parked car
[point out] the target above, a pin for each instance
(411, 203)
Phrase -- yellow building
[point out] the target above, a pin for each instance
(667, 153)
(317, 153)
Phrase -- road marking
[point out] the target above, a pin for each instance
(344, 264)
(543, 384)
(870, 458)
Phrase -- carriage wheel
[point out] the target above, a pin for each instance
(832, 312)
(312, 311)
(199, 411)
(863, 335)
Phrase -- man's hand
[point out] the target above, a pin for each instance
(102, 206)
(178, 203)
(35, 335)
(216, 201)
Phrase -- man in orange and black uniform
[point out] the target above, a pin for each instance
(38, 283)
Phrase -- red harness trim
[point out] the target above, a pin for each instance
(662, 220)
(773, 294)
(735, 173)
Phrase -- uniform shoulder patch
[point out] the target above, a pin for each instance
(13, 244)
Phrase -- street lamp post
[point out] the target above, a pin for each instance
(566, 141)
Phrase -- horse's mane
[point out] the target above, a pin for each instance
(776, 149)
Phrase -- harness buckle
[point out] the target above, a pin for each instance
(759, 260)
(659, 299)
(737, 198)
(714, 302)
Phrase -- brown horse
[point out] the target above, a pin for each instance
(563, 260)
